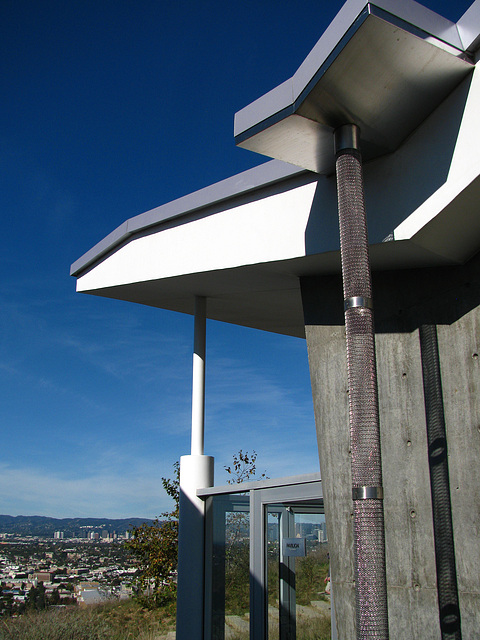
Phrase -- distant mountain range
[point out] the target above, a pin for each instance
(72, 527)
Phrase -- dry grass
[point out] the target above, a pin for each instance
(314, 629)
(119, 621)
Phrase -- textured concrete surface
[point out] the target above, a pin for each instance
(448, 297)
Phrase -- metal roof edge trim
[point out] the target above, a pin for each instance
(275, 104)
(298, 90)
(268, 483)
(251, 114)
(469, 27)
(424, 19)
(242, 183)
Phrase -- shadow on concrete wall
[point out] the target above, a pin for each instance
(404, 300)
(395, 184)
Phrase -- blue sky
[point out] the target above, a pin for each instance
(109, 109)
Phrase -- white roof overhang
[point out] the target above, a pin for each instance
(383, 66)
(244, 242)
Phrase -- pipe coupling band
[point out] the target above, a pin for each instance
(367, 493)
(358, 301)
(347, 136)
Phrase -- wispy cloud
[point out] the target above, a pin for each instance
(130, 492)
(109, 405)
(254, 408)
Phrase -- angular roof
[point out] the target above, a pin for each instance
(383, 66)
(245, 241)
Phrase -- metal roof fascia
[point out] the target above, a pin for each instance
(283, 96)
(243, 183)
(469, 27)
(288, 96)
(268, 483)
(424, 19)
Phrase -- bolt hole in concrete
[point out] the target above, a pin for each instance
(475, 356)
(413, 513)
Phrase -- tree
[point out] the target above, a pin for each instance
(237, 545)
(243, 468)
(155, 547)
(36, 597)
(172, 489)
(6, 604)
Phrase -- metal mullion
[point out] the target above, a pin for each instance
(258, 620)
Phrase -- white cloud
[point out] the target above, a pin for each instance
(135, 492)
(253, 408)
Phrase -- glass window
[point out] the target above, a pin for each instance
(267, 563)
(297, 567)
(230, 576)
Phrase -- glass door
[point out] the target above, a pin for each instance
(297, 571)
(266, 561)
(228, 568)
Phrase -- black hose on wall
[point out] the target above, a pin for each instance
(448, 604)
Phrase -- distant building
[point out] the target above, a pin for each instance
(42, 576)
(91, 596)
(89, 593)
(322, 533)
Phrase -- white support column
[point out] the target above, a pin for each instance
(198, 384)
(196, 472)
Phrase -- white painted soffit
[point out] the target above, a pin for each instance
(278, 213)
(247, 259)
(262, 230)
(383, 66)
(242, 185)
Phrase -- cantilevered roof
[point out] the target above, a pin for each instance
(383, 66)
(231, 189)
(245, 242)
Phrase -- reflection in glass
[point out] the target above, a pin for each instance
(230, 568)
(298, 606)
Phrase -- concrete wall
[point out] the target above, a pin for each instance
(450, 298)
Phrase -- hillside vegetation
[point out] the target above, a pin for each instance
(117, 621)
(44, 526)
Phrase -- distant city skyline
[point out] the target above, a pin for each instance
(110, 109)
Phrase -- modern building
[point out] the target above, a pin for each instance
(42, 576)
(400, 85)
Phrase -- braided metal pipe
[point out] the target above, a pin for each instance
(367, 490)
(447, 589)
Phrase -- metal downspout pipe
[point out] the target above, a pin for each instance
(367, 488)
